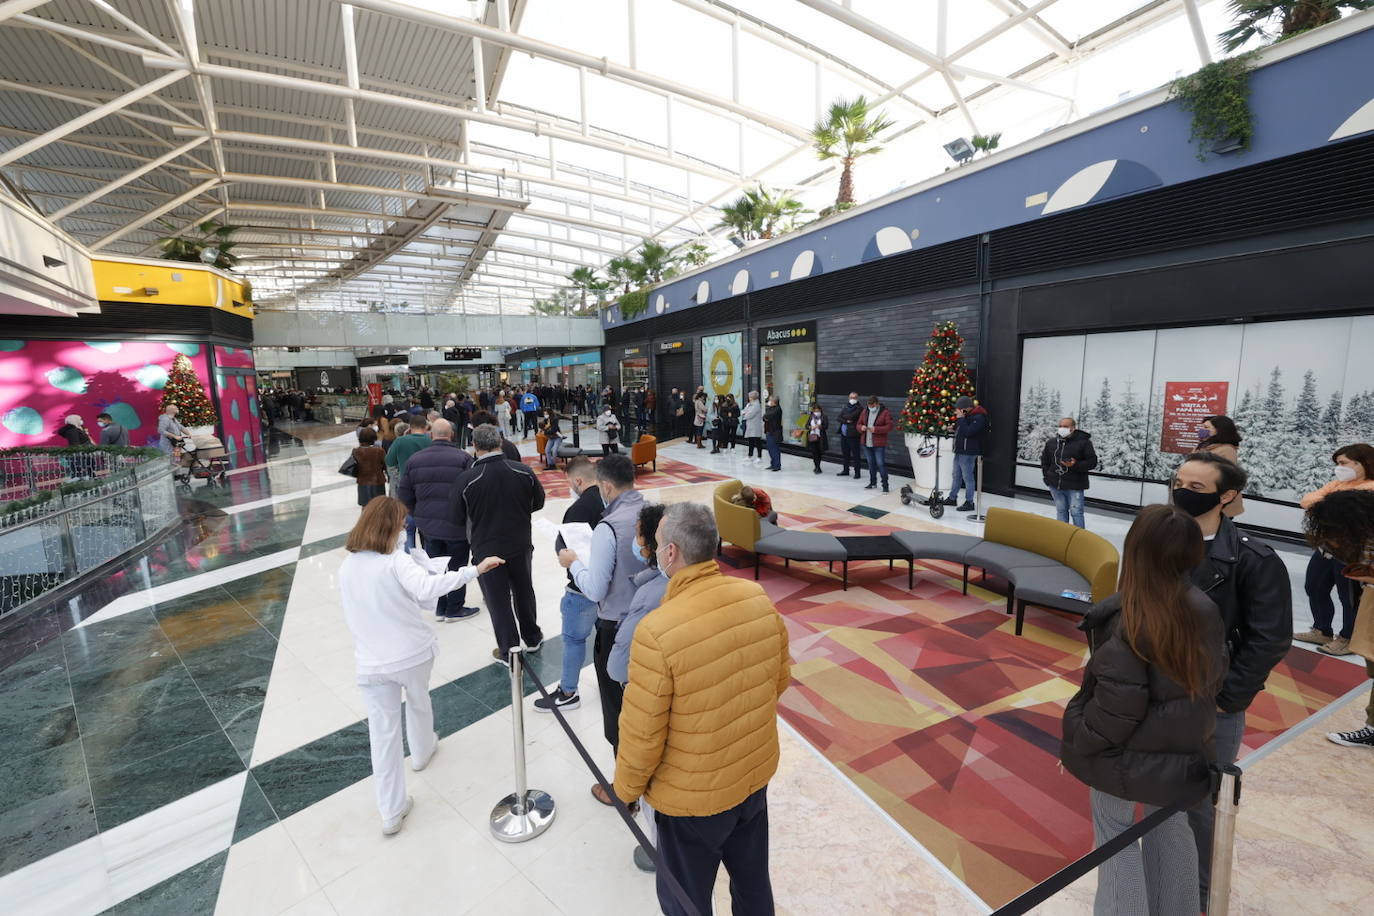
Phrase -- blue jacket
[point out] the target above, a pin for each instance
(969, 432)
(650, 585)
(426, 488)
(528, 403)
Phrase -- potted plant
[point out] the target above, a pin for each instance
(928, 416)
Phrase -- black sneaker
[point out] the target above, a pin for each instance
(558, 700)
(966, 507)
(951, 501)
(844, 473)
(1364, 737)
(871, 486)
(462, 613)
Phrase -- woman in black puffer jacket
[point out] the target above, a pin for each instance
(1140, 729)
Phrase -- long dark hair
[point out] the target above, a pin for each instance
(1359, 453)
(1342, 524)
(1157, 621)
(1226, 432)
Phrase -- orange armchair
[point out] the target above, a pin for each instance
(645, 451)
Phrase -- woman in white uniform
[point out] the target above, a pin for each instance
(385, 592)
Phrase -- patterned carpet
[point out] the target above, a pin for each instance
(950, 722)
(670, 473)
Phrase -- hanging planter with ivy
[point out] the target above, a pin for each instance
(1218, 97)
(633, 303)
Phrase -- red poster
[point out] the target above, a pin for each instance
(374, 396)
(1186, 405)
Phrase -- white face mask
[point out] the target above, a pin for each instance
(853, 401)
(1343, 473)
(1064, 432)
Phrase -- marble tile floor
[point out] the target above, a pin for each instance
(204, 751)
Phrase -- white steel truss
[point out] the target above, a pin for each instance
(406, 157)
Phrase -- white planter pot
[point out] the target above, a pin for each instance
(923, 469)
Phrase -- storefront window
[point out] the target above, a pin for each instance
(787, 362)
(634, 373)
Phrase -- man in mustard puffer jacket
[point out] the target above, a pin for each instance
(699, 728)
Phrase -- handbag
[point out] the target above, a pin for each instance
(349, 467)
(1362, 637)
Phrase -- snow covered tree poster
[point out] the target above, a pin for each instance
(1297, 390)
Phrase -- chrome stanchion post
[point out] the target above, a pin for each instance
(529, 812)
(1223, 840)
(977, 514)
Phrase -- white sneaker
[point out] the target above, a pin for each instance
(417, 764)
(393, 826)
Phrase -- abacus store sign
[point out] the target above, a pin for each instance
(805, 332)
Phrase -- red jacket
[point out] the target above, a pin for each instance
(881, 427)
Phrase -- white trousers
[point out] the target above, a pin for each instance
(382, 693)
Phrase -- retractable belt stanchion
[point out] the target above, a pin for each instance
(1223, 840)
(529, 812)
(977, 515)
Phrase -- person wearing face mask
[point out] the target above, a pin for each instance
(752, 417)
(650, 584)
(607, 577)
(1064, 464)
(1354, 470)
(815, 434)
(1248, 582)
(875, 424)
(577, 610)
(1218, 434)
(111, 433)
(772, 432)
(970, 428)
(699, 410)
(384, 592)
(608, 430)
(700, 742)
(850, 449)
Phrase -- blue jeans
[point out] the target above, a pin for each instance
(410, 533)
(774, 443)
(965, 475)
(877, 464)
(551, 451)
(1068, 504)
(579, 616)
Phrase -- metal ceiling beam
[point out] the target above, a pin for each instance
(11, 8)
(1204, 48)
(1037, 27)
(89, 117)
(163, 210)
(131, 176)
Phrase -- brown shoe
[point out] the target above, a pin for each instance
(1337, 646)
(1315, 637)
(600, 795)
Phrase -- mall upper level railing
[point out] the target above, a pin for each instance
(65, 512)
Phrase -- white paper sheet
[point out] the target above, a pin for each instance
(578, 538)
(545, 527)
(433, 565)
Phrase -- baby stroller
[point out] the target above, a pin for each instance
(203, 459)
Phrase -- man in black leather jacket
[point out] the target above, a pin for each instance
(1250, 585)
(849, 435)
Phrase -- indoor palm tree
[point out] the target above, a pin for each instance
(656, 260)
(741, 217)
(209, 242)
(586, 281)
(620, 271)
(761, 213)
(848, 131)
(1275, 21)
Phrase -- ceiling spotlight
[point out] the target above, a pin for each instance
(960, 150)
(52, 262)
(736, 241)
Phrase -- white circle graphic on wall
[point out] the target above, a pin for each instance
(703, 292)
(660, 304)
(804, 265)
(740, 284)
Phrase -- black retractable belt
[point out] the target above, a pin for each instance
(625, 815)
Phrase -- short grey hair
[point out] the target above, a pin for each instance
(692, 528)
(441, 429)
(400, 429)
(486, 438)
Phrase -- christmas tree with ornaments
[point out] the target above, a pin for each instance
(183, 389)
(941, 379)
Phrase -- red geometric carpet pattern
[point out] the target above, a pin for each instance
(949, 721)
(670, 473)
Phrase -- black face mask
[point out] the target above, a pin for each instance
(1195, 503)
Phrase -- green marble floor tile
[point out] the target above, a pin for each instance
(489, 684)
(45, 805)
(211, 597)
(255, 813)
(296, 780)
(117, 654)
(239, 710)
(24, 732)
(220, 662)
(455, 709)
(324, 545)
(192, 892)
(123, 794)
(155, 732)
(98, 711)
(547, 663)
(36, 709)
(265, 596)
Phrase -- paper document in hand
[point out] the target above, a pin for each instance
(545, 527)
(578, 537)
(433, 565)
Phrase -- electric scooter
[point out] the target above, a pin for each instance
(936, 501)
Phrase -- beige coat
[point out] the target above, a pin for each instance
(699, 724)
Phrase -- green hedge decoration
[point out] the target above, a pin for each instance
(1218, 97)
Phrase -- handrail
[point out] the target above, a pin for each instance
(135, 482)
